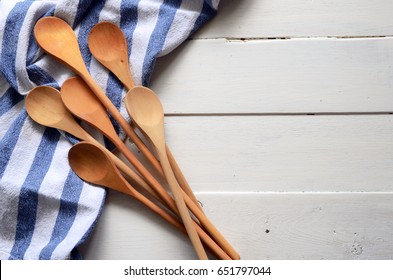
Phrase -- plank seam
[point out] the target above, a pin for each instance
(246, 39)
(276, 114)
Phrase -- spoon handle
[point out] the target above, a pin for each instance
(181, 179)
(184, 214)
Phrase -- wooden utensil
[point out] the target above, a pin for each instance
(58, 39)
(78, 98)
(146, 110)
(44, 106)
(108, 45)
(91, 163)
(148, 115)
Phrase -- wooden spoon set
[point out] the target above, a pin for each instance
(83, 98)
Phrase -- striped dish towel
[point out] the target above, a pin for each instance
(46, 211)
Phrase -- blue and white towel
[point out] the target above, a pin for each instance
(46, 211)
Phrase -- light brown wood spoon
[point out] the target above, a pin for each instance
(147, 112)
(44, 106)
(91, 163)
(108, 45)
(58, 39)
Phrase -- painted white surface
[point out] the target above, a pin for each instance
(278, 182)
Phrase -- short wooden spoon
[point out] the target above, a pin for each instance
(108, 45)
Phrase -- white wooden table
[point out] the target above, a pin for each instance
(279, 113)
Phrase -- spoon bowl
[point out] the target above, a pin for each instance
(115, 57)
(57, 38)
(44, 106)
(93, 165)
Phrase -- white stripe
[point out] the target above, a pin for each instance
(111, 7)
(5, 8)
(66, 10)
(188, 12)
(147, 20)
(15, 174)
(87, 211)
(49, 200)
(36, 10)
(8, 118)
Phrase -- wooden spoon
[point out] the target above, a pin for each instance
(58, 39)
(148, 114)
(108, 45)
(44, 106)
(91, 163)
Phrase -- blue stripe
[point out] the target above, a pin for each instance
(8, 142)
(166, 16)
(75, 253)
(67, 213)
(86, 25)
(128, 21)
(83, 7)
(12, 29)
(8, 100)
(207, 13)
(40, 77)
(28, 197)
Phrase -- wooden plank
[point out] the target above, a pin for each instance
(301, 18)
(258, 225)
(277, 76)
(284, 153)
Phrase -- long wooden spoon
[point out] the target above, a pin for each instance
(78, 98)
(58, 39)
(147, 112)
(91, 163)
(108, 45)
